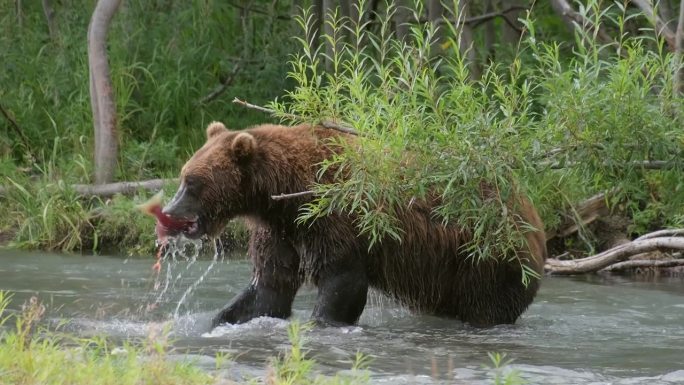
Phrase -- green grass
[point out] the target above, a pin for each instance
(45, 215)
(559, 123)
(30, 354)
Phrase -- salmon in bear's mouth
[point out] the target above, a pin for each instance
(168, 225)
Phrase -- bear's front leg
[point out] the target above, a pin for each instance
(257, 300)
(342, 293)
(274, 284)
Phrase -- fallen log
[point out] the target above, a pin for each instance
(609, 257)
(582, 215)
(644, 263)
(108, 190)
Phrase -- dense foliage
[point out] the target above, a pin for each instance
(556, 125)
(556, 114)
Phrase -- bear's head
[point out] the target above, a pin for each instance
(214, 182)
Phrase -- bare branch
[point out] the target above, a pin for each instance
(110, 189)
(679, 53)
(281, 197)
(327, 124)
(15, 126)
(575, 20)
(259, 11)
(662, 233)
(223, 86)
(644, 263)
(660, 25)
(479, 19)
(50, 17)
(645, 164)
(616, 254)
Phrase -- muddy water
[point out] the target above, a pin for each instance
(589, 330)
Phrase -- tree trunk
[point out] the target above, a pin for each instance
(510, 35)
(660, 25)
(328, 15)
(101, 93)
(679, 52)
(50, 18)
(402, 15)
(17, 9)
(436, 16)
(490, 34)
(467, 42)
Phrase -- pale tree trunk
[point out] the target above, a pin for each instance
(667, 13)
(509, 34)
(101, 93)
(50, 18)
(679, 52)
(318, 21)
(490, 33)
(402, 28)
(436, 16)
(466, 43)
(20, 16)
(328, 14)
(660, 25)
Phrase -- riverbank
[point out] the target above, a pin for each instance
(52, 216)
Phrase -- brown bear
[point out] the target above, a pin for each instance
(236, 174)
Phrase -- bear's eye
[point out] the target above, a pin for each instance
(192, 184)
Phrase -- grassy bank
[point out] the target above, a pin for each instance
(45, 215)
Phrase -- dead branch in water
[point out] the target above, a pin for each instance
(614, 255)
(327, 124)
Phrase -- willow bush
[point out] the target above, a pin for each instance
(552, 125)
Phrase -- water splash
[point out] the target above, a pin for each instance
(172, 254)
(217, 252)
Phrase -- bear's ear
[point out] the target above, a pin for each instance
(214, 129)
(244, 145)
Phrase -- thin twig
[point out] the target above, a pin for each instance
(223, 86)
(327, 124)
(15, 126)
(485, 17)
(293, 195)
(645, 164)
(259, 11)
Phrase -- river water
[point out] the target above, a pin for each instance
(586, 330)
